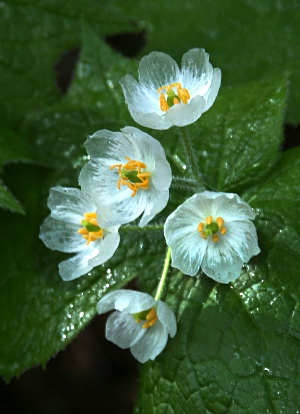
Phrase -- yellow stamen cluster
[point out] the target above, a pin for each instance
(151, 318)
(211, 228)
(168, 97)
(131, 174)
(90, 230)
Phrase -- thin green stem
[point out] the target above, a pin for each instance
(185, 184)
(162, 281)
(191, 156)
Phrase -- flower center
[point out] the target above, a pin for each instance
(168, 97)
(212, 228)
(90, 230)
(149, 316)
(133, 175)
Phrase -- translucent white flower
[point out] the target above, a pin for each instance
(167, 96)
(128, 175)
(212, 231)
(140, 323)
(73, 227)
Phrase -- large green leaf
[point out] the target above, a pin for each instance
(223, 346)
(248, 40)
(33, 34)
(94, 101)
(39, 313)
(12, 149)
(237, 346)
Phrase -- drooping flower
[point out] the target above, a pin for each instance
(212, 231)
(128, 175)
(167, 96)
(140, 322)
(73, 227)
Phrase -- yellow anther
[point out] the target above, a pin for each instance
(163, 103)
(200, 227)
(208, 219)
(131, 174)
(169, 87)
(151, 314)
(168, 97)
(212, 228)
(91, 230)
(215, 238)
(151, 319)
(183, 94)
(220, 221)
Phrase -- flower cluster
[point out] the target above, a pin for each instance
(128, 177)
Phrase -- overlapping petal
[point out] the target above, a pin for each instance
(120, 205)
(60, 232)
(220, 258)
(124, 330)
(159, 69)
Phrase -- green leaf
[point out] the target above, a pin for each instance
(33, 34)
(248, 40)
(237, 344)
(7, 200)
(12, 149)
(95, 101)
(237, 141)
(39, 313)
(231, 339)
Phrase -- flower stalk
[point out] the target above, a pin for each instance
(162, 281)
(191, 157)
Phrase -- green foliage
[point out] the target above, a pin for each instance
(248, 40)
(12, 149)
(237, 346)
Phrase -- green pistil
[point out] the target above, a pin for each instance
(132, 176)
(170, 99)
(141, 316)
(211, 229)
(91, 228)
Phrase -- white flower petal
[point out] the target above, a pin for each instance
(212, 93)
(140, 98)
(122, 330)
(118, 206)
(62, 236)
(130, 301)
(106, 248)
(78, 265)
(158, 69)
(242, 237)
(167, 318)
(69, 204)
(107, 303)
(197, 72)
(134, 302)
(221, 262)
(182, 235)
(181, 114)
(151, 344)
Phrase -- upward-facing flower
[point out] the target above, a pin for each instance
(73, 227)
(128, 175)
(167, 96)
(140, 322)
(212, 231)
